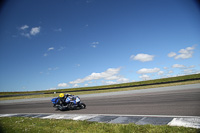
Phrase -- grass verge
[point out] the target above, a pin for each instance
(33, 125)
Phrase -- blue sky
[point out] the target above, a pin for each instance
(48, 44)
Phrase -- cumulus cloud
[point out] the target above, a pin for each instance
(85, 85)
(165, 67)
(61, 48)
(118, 80)
(52, 89)
(178, 66)
(26, 35)
(142, 57)
(122, 80)
(108, 82)
(160, 73)
(145, 77)
(53, 69)
(48, 51)
(51, 48)
(75, 85)
(192, 66)
(183, 53)
(35, 31)
(112, 77)
(29, 33)
(170, 71)
(108, 74)
(24, 27)
(190, 71)
(63, 85)
(171, 54)
(94, 44)
(145, 70)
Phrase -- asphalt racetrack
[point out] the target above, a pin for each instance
(184, 101)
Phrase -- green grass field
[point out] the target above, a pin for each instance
(36, 125)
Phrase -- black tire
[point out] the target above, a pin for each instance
(83, 106)
(60, 107)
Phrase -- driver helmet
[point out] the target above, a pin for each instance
(61, 95)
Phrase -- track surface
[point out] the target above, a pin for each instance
(184, 102)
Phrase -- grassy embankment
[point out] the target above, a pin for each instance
(181, 80)
(35, 125)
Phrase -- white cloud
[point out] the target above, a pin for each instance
(85, 84)
(63, 85)
(171, 54)
(51, 48)
(170, 71)
(165, 67)
(145, 70)
(122, 80)
(145, 77)
(112, 77)
(197, 72)
(24, 27)
(26, 34)
(61, 48)
(183, 53)
(108, 82)
(178, 66)
(142, 57)
(48, 51)
(77, 81)
(94, 44)
(76, 85)
(35, 31)
(190, 71)
(53, 69)
(108, 74)
(52, 89)
(160, 73)
(192, 66)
